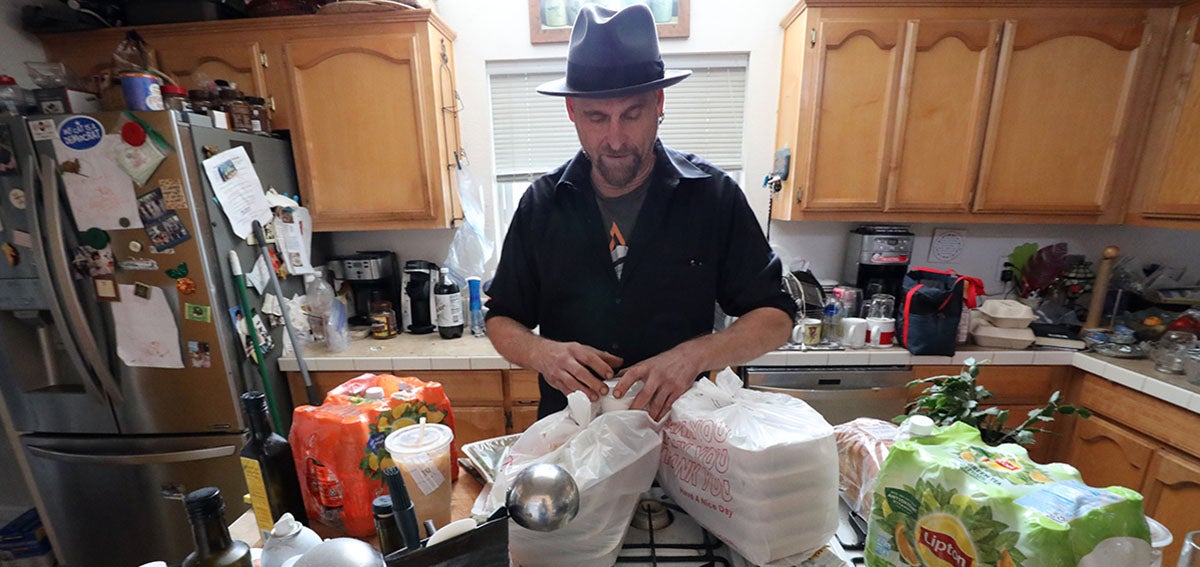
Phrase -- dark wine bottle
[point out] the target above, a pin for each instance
(214, 546)
(269, 468)
(390, 540)
(448, 304)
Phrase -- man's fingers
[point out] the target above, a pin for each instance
(599, 367)
(626, 380)
(586, 381)
(613, 361)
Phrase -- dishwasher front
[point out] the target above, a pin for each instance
(839, 393)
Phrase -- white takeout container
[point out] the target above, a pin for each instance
(988, 335)
(1007, 313)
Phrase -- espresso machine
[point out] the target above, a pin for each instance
(371, 275)
(877, 259)
(417, 311)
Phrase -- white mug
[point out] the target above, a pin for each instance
(880, 331)
(854, 332)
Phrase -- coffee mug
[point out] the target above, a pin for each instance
(854, 332)
(810, 334)
(880, 331)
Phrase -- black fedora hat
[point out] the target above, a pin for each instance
(613, 54)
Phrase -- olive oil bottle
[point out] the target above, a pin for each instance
(269, 468)
(214, 546)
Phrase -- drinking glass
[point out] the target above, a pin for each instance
(881, 306)
(1189, 554)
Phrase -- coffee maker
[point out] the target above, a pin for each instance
(417, 310)
(877, 259)
(371, 275)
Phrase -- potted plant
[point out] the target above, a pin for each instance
(948, 399)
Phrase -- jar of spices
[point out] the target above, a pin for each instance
(383, 319)
(201, 101)
(260, 117)
(174, 98)
(235, 106)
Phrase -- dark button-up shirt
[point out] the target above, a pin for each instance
(696, 241)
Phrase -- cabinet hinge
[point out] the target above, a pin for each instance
(262, 59)
(812, 37)
(271, 103)
(508, 422)
(799, 194)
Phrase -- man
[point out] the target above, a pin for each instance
(619, 254)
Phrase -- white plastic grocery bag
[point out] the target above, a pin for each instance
(613, 458)
(757, 469)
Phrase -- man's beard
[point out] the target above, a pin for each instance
(619, 173)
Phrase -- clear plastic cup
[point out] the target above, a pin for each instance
(424, 463)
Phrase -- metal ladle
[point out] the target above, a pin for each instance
(543, 498)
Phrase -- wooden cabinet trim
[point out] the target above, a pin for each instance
(1170, 425)
(977, 35)
(885, 34)
(1123, 35)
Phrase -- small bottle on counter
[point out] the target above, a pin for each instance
(214, 546)
(269, 468)
(238, 111)
(448, 305)
(383, 319)
(175, 97)
(390, 540)
(478, 326)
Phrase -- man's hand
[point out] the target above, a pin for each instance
(571, 367)
(665, 377)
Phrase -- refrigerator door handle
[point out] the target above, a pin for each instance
(56, 311)
(57, 246)
(138, 459)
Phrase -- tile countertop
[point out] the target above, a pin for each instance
(431, 352)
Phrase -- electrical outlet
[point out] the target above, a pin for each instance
(1001, 268)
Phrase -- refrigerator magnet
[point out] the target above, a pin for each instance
(17, 198)
(106, 288)
(151, 206)
(177, 272)
(139, 162)
(133, 134)
(11, 254)
(172, 194)
(22, 239)
(138, 265)
(135, 246)
(199, 354)
(141, 290)
(81, 133)
(198, 313)
(41, 130)
(186, 286)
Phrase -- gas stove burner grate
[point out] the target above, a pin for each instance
(653, 516)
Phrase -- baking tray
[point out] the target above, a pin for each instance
(486, 454)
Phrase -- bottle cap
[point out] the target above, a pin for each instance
(254, 402)
(204, 502)
(382, 506)
(286, 526)
(920, 426)
(374, 393)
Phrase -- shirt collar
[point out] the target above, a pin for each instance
(669, 164)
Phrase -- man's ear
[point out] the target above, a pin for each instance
(570, 107)
(661, 98)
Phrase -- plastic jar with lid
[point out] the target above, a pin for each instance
(201, 101)
(383, 320)
(235, 106)
(260, 116)
(14, 100)
(175, 98)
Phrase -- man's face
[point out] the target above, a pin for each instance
(618, 134)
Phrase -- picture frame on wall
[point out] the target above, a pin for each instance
(550, 21)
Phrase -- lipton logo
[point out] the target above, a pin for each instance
(944, 547)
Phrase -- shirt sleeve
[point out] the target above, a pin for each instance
(751, 274)
(515, 288)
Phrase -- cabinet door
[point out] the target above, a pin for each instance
(1172, 496)
(1171, 175)
(1107, 454)
(193, 64)
(365, 131)
(522, 417)
(946, 80)
(857, 63)
(1059, 114)
(473, 424)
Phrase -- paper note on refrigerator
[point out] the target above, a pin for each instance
(101, 195)
(147, 334)
(238, 189)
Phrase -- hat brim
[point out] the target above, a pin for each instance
(558, 87)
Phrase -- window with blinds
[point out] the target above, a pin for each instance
(531, 133)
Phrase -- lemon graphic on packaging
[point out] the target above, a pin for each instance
(904, 546)
(943, 541)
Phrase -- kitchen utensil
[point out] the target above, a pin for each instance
(810, 332)
(543, 497)
(455, 528)
(1160, 538)
(314, 396)
(402, 508)
(1169, 351)
(1100, 287)
(854, 332)
(239, 281)
(341, 552)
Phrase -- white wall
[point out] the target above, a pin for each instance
(16, 46)
(498, 30)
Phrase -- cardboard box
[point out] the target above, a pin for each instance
(61, 100)
(23, 543)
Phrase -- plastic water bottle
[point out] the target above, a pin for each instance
(476, 306)
(327, 313)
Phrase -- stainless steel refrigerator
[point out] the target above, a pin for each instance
(113, 442)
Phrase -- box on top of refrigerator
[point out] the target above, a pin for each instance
(23, 542)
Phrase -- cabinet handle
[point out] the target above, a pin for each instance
(812, 37)
(271, 103)
(262, 59)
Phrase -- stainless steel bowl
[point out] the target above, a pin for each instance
(341, 552)
(543, 498)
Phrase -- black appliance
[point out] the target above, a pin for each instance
(877, 259)
(417, 303)
(371, 275)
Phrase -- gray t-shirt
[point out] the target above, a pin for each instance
(619, 215)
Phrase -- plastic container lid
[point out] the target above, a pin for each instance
(1160, 536)
(7, 80)
(408, 440)
(920, 426)
(173, 90)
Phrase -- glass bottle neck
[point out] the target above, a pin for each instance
(210, 534)
(260, 426)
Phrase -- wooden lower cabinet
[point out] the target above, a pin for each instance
(1172, 496)
(473, 424)
(523, 417)
(1107, 454)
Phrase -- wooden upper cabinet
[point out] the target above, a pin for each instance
(363, 160)
(1059, 114)
(1168, 185)
(945, 87)
(1172, 495)
(857, 64)
(235, 62)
